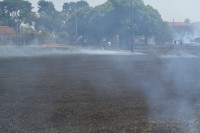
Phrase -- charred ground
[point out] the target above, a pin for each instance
(94, 93)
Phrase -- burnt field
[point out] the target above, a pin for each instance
(100, 93)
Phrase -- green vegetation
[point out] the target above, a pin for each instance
(82, 24)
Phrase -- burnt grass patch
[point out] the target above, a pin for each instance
(87, 93)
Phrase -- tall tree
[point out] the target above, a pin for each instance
(1, 16)
(49, 19)
(163, 34)
(81, 5)
(73, 6)
(46, 7)
(15, 12)
(73, 15)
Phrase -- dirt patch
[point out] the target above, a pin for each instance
(89, 93)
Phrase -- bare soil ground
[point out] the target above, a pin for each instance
(83, 93)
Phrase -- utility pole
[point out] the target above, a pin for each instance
(76, 31)
(76, 26)
(132, 26)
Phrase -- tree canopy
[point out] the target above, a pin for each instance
(119, 17)
(14, 12)
(94, 24)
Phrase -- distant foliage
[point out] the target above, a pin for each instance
(88, 25)
(14, 12)
(114, 18)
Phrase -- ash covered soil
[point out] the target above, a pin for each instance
(88, 93)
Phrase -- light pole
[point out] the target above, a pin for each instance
(76, 30)
(132, 26)
(76, 26)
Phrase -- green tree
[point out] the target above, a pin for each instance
(163, 35)
(74, 14)
(115, 17)
(43, 22)
(15, 12)
(126, 14)
(46, 7)
(70, 7)
(48, 18)
(148, 21)
(1, 16)
(81, 5)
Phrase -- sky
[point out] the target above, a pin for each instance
(177, 10)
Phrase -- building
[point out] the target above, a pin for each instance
(7, 35)
(196, 28)
(183, 31)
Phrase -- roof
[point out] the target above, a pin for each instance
(6, 30)
(180, 26)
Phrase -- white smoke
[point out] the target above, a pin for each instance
(28, 51)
